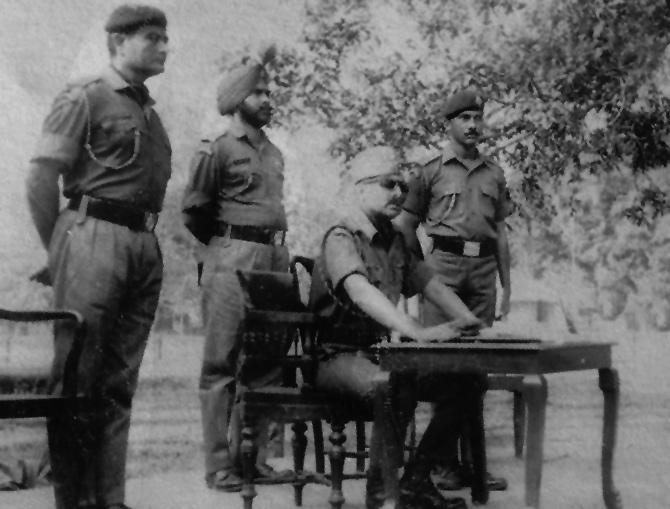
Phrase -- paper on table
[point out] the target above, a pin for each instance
(525, 332)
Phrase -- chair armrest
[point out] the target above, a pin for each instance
(72, 361)
(41, 315)
(261, 316)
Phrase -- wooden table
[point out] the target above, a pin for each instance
(533, 359)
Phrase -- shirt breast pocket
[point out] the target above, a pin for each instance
(243, 181)
(447, 198)
(115, 142)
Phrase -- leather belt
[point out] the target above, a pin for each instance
(467, 248)
(117, 212)
(251, 233)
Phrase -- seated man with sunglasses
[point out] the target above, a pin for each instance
(363, 269)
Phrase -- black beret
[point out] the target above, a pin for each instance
(128, 18)
(464, 100)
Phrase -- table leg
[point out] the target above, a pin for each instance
(475, 425)
(609, 384)
(519, 423)
(535, 394)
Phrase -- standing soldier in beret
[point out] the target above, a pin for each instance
(103, 138)
(233, 204)
(461, 198)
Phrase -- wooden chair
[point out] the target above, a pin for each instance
(24, 405)
(279, 333)
(361, 452)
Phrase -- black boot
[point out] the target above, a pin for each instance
(375, 495)
(417, 491)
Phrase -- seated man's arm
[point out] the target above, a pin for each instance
(450, 303)
(376, 305)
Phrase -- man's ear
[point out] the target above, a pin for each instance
(117, 39)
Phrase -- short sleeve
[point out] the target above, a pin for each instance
(341, 256)
(416, 201)
(202, 184)
(64, 128)
(505, 205)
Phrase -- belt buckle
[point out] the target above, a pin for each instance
(150, 221)
(471, 248)
(278, 237)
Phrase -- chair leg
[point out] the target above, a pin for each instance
(519, 423)
(360, 446)
(248, 452)
(317, 429)
(299, 447)
(336, 454)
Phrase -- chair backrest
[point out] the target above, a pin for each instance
(275, 328)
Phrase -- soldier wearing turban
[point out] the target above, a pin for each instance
(233, 205)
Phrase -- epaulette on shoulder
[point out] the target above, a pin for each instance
(84, 81)
(76, 86)
(491, 161)
(216, 129)
(432, 160)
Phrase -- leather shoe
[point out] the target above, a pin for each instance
(375, 495)
(265, 471)
(453, 479)
(420, 493)
(224, 480)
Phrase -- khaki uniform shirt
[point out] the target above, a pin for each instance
(355, 246)
(455, 199)
(240, 182)
(128, 156)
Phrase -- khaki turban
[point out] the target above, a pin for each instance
(238, 82)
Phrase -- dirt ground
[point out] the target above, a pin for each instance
(166, 437)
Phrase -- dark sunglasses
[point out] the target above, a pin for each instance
(387, 182)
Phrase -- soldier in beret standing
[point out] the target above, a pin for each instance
(461, 198)
(233, 204)
(104, 139)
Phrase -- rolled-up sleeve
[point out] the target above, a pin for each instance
(505, 205)
(64, 130)
(200, 191)
(341, 256)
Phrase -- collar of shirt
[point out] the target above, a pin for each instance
(449, 154)
(241, 129)
(140, 92)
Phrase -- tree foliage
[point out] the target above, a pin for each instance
(577, 113)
